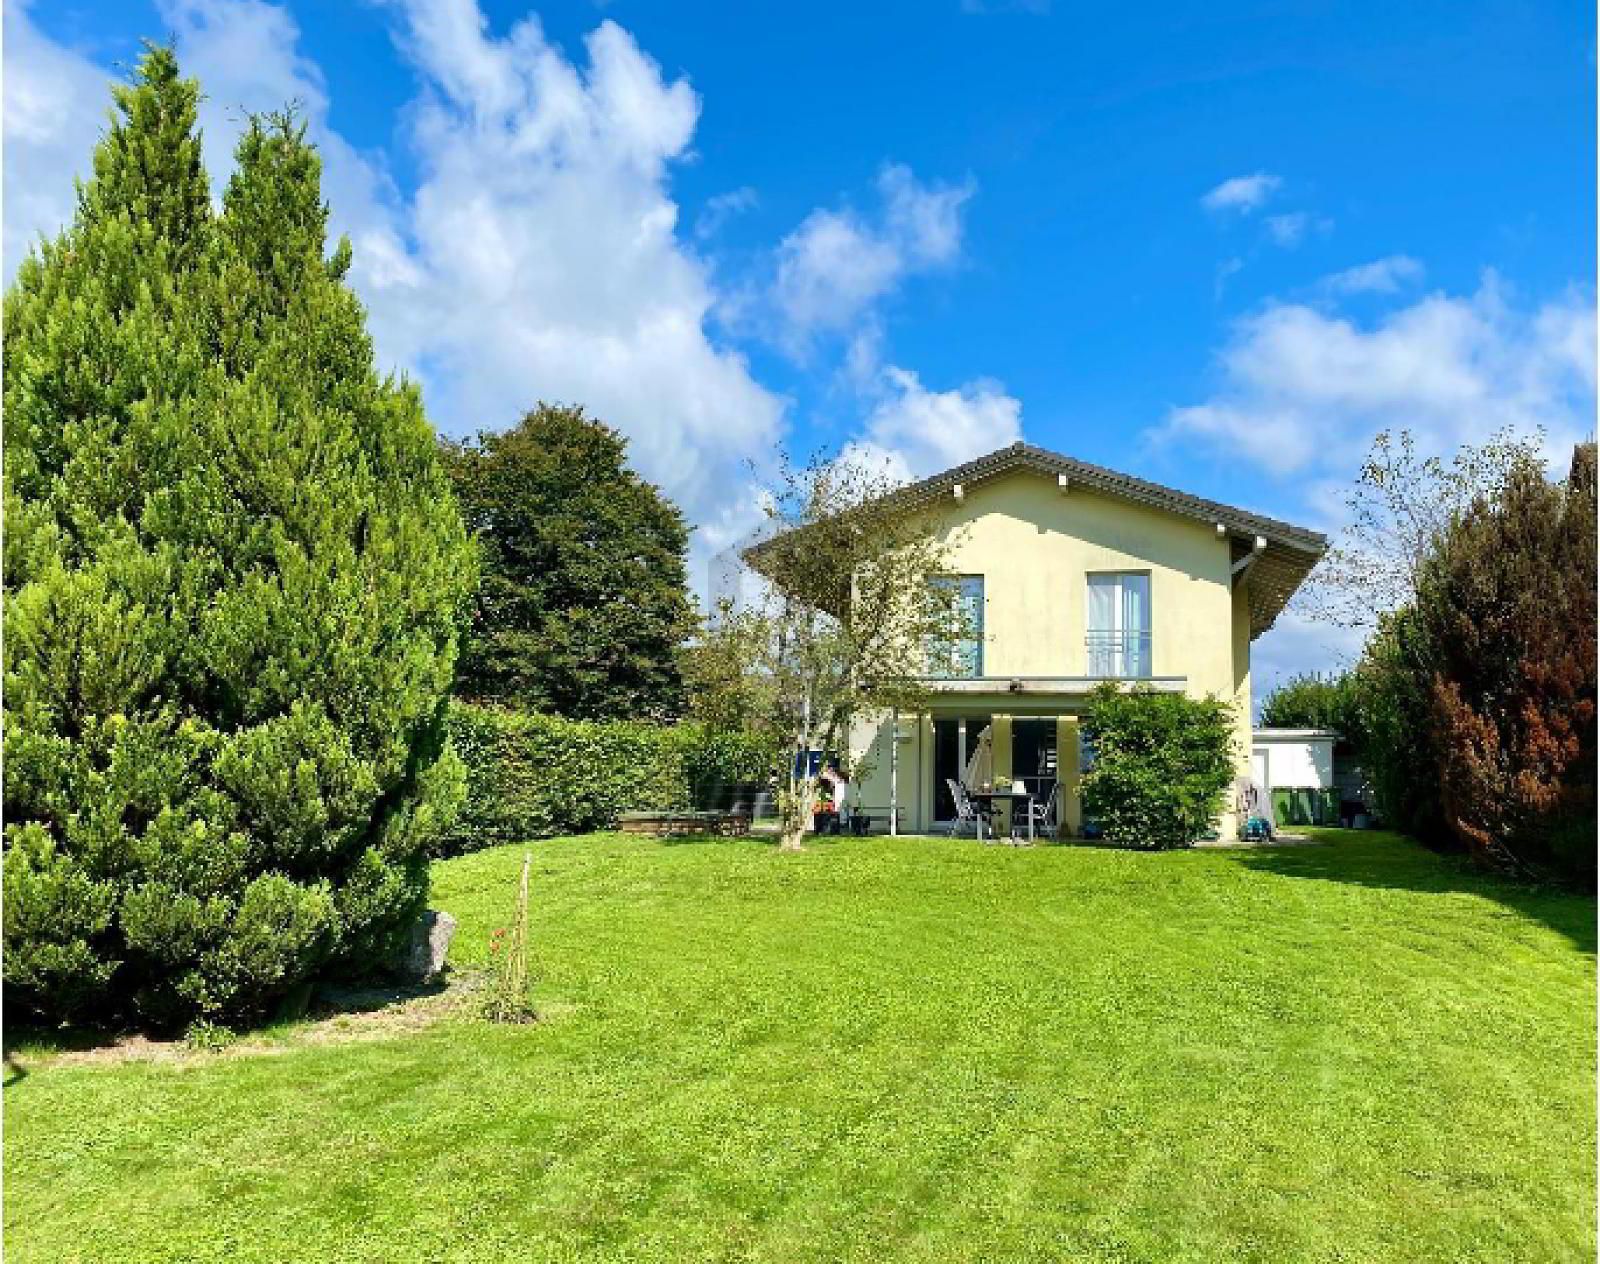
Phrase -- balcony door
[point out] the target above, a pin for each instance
(1119, 624)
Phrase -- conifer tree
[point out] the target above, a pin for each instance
(234, 571)
(1507, 605)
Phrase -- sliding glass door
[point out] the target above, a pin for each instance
(955, 741)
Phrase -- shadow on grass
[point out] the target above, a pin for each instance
(320, 1002)
(329, 1000)
(1383, 860)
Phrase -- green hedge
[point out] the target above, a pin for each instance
(536, 776)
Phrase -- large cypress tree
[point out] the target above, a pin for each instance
(584, 606)
(233, 574)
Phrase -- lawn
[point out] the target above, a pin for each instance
(910, 1049)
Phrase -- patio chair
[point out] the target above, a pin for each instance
(1043, 815)
(966, 813)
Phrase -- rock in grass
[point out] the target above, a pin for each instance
(430, 940)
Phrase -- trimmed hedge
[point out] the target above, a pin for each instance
(537, 776)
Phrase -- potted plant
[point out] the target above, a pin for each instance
(824, 815)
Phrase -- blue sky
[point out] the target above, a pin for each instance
(1218, 245)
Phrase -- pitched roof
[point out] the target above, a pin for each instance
(1278, 569)
(1281, 566)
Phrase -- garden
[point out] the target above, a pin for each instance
(285, 671)
(882, 1049)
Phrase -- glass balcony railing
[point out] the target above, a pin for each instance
(1119, 655)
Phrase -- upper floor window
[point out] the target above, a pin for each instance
(1119, 624)
(958, 655)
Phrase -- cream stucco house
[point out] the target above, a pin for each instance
(1074, 574)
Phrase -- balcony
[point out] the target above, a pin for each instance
(1119, 655)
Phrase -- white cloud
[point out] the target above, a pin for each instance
(914, 432)
(539, 255)
(1288, 230)
(1242, 193)
(1225, 272)
(1381, 276)
(548, 247)
(55, 106)
(1304, 389)
(837, 264)
(723, 207)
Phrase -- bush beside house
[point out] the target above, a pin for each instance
(537, 776)
(1162, 765)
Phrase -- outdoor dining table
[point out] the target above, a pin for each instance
(1013, 797)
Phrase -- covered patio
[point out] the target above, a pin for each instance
(1029, 727)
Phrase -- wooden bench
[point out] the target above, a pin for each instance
(685, 824)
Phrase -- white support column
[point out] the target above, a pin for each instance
(894, 772)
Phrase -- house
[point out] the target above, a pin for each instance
(1073, 575)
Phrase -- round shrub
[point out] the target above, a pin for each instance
(1162, 765)
(234, 571)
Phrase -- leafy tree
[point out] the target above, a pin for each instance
(1400, 505)
(233, 575)
(841, 626)
(1162, 765)
(584, 604)
(1311, 700)
(720, 689)
(1507, 606)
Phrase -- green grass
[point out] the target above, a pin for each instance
(884, 1049)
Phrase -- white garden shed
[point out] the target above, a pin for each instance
(1292, 759)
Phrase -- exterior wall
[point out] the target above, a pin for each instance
(1035, 547)
(1297, 762)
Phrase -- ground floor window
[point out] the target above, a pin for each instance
(1033, 754)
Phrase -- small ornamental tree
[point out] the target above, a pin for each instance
(840, 626)
(584, 602)
(1161, 765)
(233, 573)
(1401, 503)
(1507, 605)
